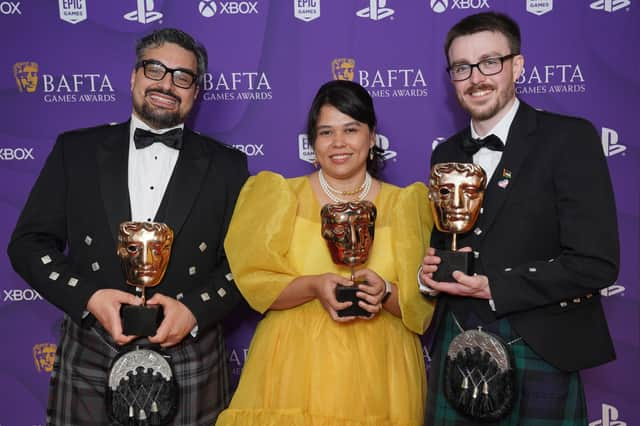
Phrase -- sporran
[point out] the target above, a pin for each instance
(479, 377)
(142, 389)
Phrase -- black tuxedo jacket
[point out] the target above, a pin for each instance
(64, 244)
(547, 237)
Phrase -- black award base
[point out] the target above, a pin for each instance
(140, 320)
(348, 294)
(453, 261)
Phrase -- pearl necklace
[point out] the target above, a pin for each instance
(362, 192)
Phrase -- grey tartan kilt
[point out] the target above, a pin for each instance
(79, 378)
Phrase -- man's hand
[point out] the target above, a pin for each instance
(177, 323)
(105, 305)
(476, 286)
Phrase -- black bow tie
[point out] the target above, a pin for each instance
(144, 138)
(471, 146)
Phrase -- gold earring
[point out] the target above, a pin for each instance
(315, 164)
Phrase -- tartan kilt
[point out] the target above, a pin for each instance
(79, 379)
(545, 395)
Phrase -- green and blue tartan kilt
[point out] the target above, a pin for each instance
(545, 396)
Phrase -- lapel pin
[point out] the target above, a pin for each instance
(503, 183)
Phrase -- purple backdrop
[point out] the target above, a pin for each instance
(267, 59)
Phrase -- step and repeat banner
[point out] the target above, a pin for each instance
(66, 64)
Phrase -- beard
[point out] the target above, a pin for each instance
(488, 111)
(159, 118)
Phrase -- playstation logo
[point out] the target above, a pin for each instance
(609, 417)
(612, 290)
(610, 5)
(610, 144)
(376, 11)
(437, 141)
(144, 13)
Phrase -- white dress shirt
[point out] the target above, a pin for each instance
(150, 169)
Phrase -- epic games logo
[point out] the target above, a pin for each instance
(72, 11)
(306, 10)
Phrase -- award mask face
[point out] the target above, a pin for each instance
(144, 249)
(348, 229)
(456, 191)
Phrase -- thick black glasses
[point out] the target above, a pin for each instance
(489, 66)
(156, 70)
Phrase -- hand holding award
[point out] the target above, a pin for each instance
(348, 229)
(144, 249)
(456, 192)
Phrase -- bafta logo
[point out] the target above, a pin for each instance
(343, 68)
(26, 75)
(44, 354)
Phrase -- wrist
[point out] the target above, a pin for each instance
(388, 290)
(425, 289)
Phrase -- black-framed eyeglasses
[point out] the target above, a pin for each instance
(156, 70)
(489, 66)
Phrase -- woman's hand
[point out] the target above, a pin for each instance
(371, 290)
(325, 291)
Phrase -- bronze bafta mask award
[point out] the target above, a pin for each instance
(348, 229)
(144, 249)
(456, 191)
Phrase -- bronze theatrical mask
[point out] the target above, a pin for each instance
(144, 249)
(348, 229)
(456, 192)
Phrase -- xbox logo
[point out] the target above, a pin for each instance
(207, 8)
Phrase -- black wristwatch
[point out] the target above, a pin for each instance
(388, 289)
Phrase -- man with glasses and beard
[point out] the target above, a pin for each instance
(544, 245)
(149, 169)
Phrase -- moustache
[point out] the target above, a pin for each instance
(482, 86)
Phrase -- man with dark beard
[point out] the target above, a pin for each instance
(545, 243)
(150, 168)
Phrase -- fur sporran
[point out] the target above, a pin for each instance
(479, 378)
(142, 389)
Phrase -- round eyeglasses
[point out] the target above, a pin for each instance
(156, 70)
(487, 67)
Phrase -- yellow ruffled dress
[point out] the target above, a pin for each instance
(303, 368)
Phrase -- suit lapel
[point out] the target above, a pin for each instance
(113, 160)
(185, 183)
(519, 143)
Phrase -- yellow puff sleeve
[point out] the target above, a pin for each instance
(258, 239)
(411, 224)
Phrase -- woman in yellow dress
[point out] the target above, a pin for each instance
(307, 365)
